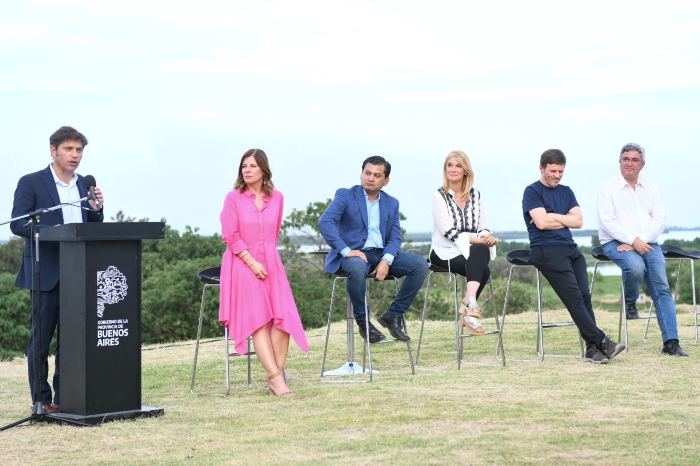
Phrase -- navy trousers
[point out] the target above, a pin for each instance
(565, 269)
(49, 324)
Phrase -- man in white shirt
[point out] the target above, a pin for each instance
(631, 216)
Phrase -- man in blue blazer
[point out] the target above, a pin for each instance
(362, 228)
(56, 184)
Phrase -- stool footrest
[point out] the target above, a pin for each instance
(490, 332)
(558, 324)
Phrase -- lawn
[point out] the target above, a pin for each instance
(641, 408)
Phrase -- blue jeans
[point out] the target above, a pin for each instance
(411, 266)
(650, 267)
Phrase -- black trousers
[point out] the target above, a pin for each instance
(49, 324)
(565, 269)
(475, 268)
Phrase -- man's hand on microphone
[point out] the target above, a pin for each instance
(100, 198)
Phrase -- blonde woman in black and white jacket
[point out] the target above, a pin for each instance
(461, 242)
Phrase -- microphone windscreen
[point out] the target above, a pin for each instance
(89, 182)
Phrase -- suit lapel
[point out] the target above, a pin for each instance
(50, 185)
(383, 214)
(361, 204)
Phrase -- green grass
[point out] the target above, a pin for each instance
(641, 408)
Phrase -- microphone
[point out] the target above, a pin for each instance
(89, 183)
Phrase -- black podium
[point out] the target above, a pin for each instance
(100, 320)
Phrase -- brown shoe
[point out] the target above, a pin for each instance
(51, 408)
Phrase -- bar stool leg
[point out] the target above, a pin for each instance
(199, 334)
(405, 329)
(250, 380)
(695, 306)
(328, 328)
(499, 327)
(423, 315)
(540, 330)
(367, 343)
(228, 379)
(505, 306)
(459, 330)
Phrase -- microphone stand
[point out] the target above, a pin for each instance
(39, 414)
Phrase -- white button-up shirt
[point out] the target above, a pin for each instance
(626, 213)
(69, 193)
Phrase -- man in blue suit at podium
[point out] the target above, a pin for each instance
(362, 228)
(56, 184)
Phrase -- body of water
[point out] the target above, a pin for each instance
(685, 235)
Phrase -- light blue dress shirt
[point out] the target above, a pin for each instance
(374, 234)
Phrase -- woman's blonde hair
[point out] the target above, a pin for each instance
(467, 181)
(261, 159)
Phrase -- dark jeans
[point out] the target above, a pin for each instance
(49, 324)
(411, 266)
(565, 269)
(475, 268)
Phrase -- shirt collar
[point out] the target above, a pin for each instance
(250, 193)
(73, 180)
(379, 196)
(622, 182)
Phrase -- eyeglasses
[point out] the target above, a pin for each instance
(628, 160)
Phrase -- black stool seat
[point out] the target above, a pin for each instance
(519, 257)
(598, 254)
(674, 252)
(436, 269)
(210, 276)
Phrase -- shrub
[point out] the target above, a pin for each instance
(15, 317)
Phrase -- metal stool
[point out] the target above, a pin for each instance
(459, 331)
(210, 277)
(521, 258)
(680, 255)
(600, 256)
(350, 367)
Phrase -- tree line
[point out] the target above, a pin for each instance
(171, 292)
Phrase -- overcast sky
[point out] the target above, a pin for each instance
(171, 94)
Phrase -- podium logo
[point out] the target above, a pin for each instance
(111, 288)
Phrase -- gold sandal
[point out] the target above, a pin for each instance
(473, 312)
(272, 392)
(469, 318)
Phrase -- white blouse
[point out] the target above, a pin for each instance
(453, 226)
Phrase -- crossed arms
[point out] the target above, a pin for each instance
(552, 221)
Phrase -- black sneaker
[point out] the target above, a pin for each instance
(631, 311)
(609, 348)
(593, 355)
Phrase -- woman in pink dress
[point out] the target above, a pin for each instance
(256, 299)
